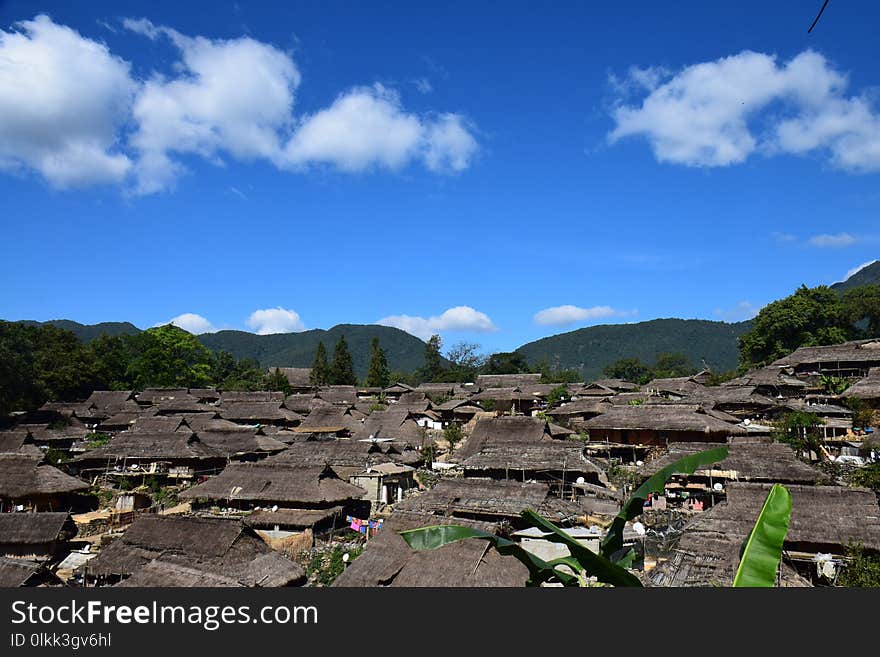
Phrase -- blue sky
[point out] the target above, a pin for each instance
(495, 173)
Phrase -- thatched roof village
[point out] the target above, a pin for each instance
(205, 487)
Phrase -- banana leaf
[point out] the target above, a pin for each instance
(435, 536)
(634, 506)
(593, 564)
(763, 547)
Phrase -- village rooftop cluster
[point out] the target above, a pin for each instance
(205, 487)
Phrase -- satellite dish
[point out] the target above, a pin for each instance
(346, 557)
(580, 480)
(274, 507)
(747, 422)
(718, 486)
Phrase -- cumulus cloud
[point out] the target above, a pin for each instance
(62, 100)
(275, 320)
(715, 113)
(72, 111)
(567, 315)
(742, 311)
(832, 241)
(195, 324)
(459, 318)
(367, 126)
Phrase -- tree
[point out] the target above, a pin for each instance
(378, 375)
(510, 362)
(862, 413)
(453, 435)
(278, 381)
(800, 429)
(433, 366)
(809, 317)
(628, 369)
(557, 395)
(670, 365)
(860, 310)
(465, 362)
(862, 569)
(320, 374)
(341, 369)
(169, 357)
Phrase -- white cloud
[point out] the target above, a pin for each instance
(423, 85)
(566, 315)
(832, 241)
(742, 311)
(195, 324)
(275, 320)
(62, 100)
(459, 318)
(367, 126)
(232, 97)
(71, 111)
(855, 270)
(714, 113)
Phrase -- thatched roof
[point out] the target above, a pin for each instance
(866, 352)
(327, 419)
(258, 412)
(298, 377)
(232, 443)
(23, 476)
(109, 401)
(205, 394)
(290, 518)
(393, 423)
(746, 461)
(153, 446)
(155, 396)
(13, 441)
(204, 422)
(388, 561)
(867, 388)
(617, 384)
(162, 574)
(339, 395)
(506, 380)
(767, 377)
(499, 430)
(733, 396)
(580, 408)
(662, 417)
(276, 482)
(15, 573)
(35, 528)
(228, 396)
(219, 547)
(823, 519)
(299, 403)
(160, 424)
(682, 385)
(467, 497)
(533, 457)
(345, 453)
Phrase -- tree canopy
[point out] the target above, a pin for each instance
(342, 369)
(378, 375)
(320, 374)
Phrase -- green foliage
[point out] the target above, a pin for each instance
(511, 362)
(557, 395)
(628, 369)
(867, 477)
(54, 456)
(809, 317)
(97, 439)
(799, 429)
(666, 365)
(669, 365)
(833, 385)
(860, 310)
(432, 370)
(278, 381)
(465, 362)
(169, 357)
(323, 568)
(862, 414)
(320, 374)
(341, 371)
(608, 566)
(378, 375)
(453, 435)
(762, 549)
(717, 378)
(862, 569)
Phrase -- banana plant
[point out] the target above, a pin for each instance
(762, 549)
(609, 566)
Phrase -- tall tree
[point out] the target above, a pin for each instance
(378, 375)
(628, 369)
(168, 356)
(433, 366)
(809, 317)
(342, 369)
(276, 380)
(320, 374)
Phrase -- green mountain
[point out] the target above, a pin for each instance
(589, 350)
(88, 332)
(404, 351)
(870, 275)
